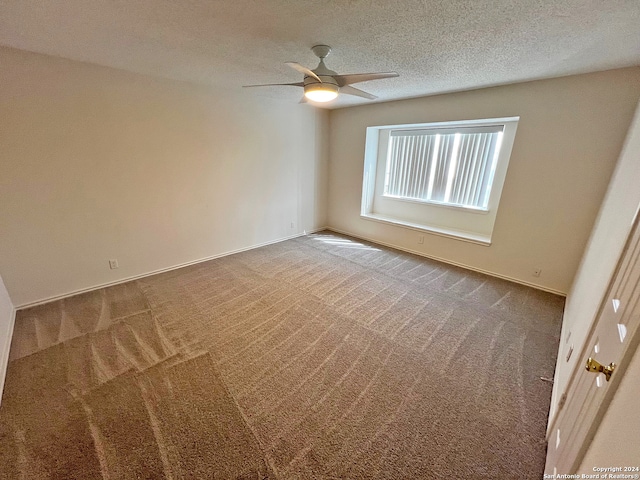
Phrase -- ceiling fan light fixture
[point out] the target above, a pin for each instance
(321, 92)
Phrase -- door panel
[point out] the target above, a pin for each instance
(612, 339)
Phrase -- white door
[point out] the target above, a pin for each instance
(612, 339)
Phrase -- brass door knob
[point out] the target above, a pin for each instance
(594, 366)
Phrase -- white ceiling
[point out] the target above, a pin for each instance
(435, 45)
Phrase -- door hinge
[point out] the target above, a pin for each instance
(563, 400)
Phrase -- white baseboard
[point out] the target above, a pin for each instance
(4, 351)
(162, 270)
(306, 232)
(457, 264)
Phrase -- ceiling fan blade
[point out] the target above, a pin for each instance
(305, 70)
(303, 99)
(349, 90)
(297, 84)
(362, 77)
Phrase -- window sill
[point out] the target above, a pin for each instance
(444, 232)
(481, 211)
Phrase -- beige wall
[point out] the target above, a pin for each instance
(98, 164)
(569, 137)
(7, 317)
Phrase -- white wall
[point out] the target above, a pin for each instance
(600, 258)
(99, 163)
(569, 137)
(7, 318)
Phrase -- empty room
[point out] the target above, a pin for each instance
(319, 239)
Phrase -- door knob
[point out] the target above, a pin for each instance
(593, 366)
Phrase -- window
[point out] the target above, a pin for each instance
(444, 166)
(445, 178)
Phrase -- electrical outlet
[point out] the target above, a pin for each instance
(537, 272)
(113, 264)
(293, 225)
(421, 240)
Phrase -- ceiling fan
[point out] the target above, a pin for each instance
(323, 85)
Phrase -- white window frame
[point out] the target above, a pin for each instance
(457, 221)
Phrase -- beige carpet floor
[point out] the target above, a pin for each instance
(321, 357)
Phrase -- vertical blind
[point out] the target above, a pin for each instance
(453, 167)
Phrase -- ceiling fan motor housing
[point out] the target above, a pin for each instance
(326, 80)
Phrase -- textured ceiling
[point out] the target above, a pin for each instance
(435, 45)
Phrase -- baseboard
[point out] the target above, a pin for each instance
(457, 264)
(162, 270)
(4, 352)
